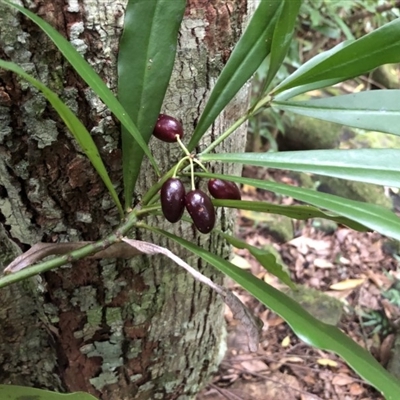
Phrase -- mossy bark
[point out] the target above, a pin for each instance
(119, 330)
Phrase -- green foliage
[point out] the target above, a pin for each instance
(145, 60)
(265, 258)
(282, 38)
(359, 110)
(382, 168)
(347, 60)
(332, 18)
(269, 33)
(11, 392)
(375, 321)
(370, 215)
(295, 212)
(250, 51)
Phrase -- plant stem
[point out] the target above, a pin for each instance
(227, 133)
(264, 101)
(200, 165)
(183, 147)
(156, 187)
(74, 255)
(179, 164)
(192, 173)
(148, 209)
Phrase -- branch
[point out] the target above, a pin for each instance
(365, 13)
(70, 256)
(39, 251)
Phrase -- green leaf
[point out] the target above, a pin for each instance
(264, 257)
(378, 166)
(374, 110)
(305, 326)
(282, 37)
(145, 61)
(249, 52)
(379, 47)
(296, 212)
(80, 133)
(12, 392)
(374, 217)
(89, 76)
(310, 64)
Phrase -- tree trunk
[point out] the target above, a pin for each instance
(142, 329)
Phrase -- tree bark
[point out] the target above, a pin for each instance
(142, 329)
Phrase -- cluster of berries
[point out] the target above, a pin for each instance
(174, 198)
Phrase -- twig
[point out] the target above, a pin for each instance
(74, 255)
(365, 13)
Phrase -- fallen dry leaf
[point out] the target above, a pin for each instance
(293, 359)
(254, 366)
(342, 380)
(347, 284)
(240, 262)
(322, 263)
(303, 244)
(327, 362)
(356, 389)
(286, 342)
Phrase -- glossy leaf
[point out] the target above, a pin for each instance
(310, 64)
(75, 126)
(371, 216)
(264, 257)
(145, 61)
(296, 212)
(87, 73)
(378, 166)
(249, 52)
(374, 110)
(282, 37)
(13, 392)
(379, 47)
(305, 326)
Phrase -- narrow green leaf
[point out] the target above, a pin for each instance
(89, 76)
(296, 212)
(345, 28)
(145, 61)
(374, 217)
(374, 110)
(75, 126)
(310, 64)
(13, 392)
(292, 92)
(305, 326)
(282, 37)
(378, 166)
(379, 47)
(250, 51)
(264, 257)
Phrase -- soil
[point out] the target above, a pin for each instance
(354, 268)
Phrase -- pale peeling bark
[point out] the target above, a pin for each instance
(138, 330)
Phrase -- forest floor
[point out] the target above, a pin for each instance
(354, 269)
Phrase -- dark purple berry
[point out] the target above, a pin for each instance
(221, 189)
(173, 199)
(167, 128)
(201, 210)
